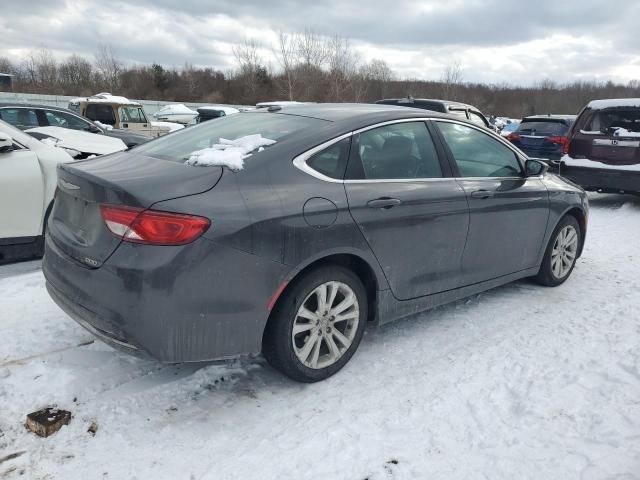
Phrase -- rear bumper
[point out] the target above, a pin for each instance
(191, 303)
(604, 180)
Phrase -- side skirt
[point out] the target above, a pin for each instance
(23, 249)
(390, 309)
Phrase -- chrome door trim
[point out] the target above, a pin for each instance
(300, 161)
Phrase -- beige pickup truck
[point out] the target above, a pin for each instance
(120, 112)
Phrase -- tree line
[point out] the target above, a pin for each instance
(308, 67)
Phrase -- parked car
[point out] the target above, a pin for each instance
(210, 112)
(27, 115)
(27, 186)
(121, 113)
(461, 110)
(305, 223)
(178, 113)
(510, 127)
(78, 144)
(543, 136)
(604, 147)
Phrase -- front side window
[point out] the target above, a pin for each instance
(66, 120)
(132, 115)
(398, 151)
(101, 113)
(478, 154)
(23, 118)
(332, 161)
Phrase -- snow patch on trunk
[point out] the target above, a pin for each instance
(588, 163)
(623, 132)
(229, 153)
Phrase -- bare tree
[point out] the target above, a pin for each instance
(313, 49)
(451, 80)
(287, 54)
(76, 75)
(109, 67)
(343, 65)
(250, 66)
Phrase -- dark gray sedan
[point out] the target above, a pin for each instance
(285, 230)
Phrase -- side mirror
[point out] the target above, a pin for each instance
(6, 143)
(93, 129)
(535, 168)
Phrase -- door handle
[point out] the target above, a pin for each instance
(384, 202)
(483, 194)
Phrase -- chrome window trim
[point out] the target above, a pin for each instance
(300, 161)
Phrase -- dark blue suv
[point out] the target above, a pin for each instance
(543, 136)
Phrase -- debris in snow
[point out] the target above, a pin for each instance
(12, 456)
(93, 428)
(47, 421)
(623, 132)
(229, 153)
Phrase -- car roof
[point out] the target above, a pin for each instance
(352, 113)
(418, 101)
(567, 118)
(33, 105)
(614, 103)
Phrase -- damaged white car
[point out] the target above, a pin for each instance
(78, 144)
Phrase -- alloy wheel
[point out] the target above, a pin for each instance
(325, 325)
(565, 250)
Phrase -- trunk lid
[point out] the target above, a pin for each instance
(76, 225)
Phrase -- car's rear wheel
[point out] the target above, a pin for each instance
(317, 324)
(561, 254)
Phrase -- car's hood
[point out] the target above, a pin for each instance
(83, 142)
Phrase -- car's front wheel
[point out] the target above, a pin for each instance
(317, 324)
(561, 253)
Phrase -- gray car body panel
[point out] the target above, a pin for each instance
(210, 299)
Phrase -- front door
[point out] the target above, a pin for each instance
(508, 211)
(412, 214)
(21, 194)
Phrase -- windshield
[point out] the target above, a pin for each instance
(132, 115)
(543, 128)
(179, 146)
(611, 119)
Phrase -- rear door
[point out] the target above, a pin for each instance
(508, 211)
(412, 213)
(610, 136)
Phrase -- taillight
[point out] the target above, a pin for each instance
(564, 141)
(152, 227)
(513, 137)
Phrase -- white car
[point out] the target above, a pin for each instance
(78, 144)
(178, 113)
(27, 186)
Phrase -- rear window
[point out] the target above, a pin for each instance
(607, 121)
(543, 128)
(179, 146)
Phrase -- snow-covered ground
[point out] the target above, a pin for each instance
(522, 382)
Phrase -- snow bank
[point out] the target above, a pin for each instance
(623, 132)
(229, 153)
(614, 102)
(586, 163)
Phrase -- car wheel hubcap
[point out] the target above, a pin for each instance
(325, 325)
(564, 251)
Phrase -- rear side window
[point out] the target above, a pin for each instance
(477, 119)
(101, 113)
(609, 120)
(479, 154)
(541, 128)
(397, 151)
(23, 118)
(332, 161)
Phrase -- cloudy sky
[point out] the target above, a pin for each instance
(494, 41)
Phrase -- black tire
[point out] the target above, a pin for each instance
(546, 276)
(277, 343)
